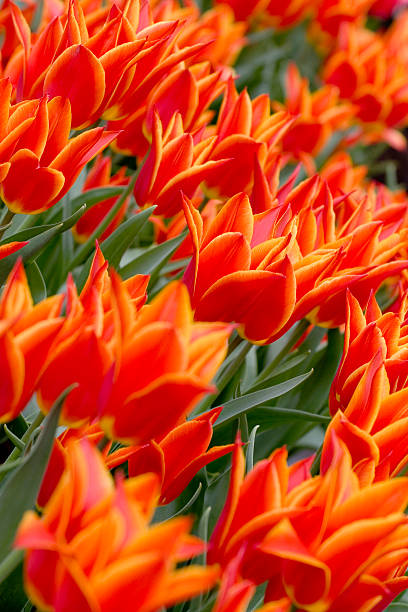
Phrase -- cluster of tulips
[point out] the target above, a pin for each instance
(203, 309)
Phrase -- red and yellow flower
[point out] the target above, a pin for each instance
(35, 143)
(94, 547)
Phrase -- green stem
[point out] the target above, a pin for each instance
(84, 250)
(36, 423)
(296, 334)
(5, 221)
(10, 563)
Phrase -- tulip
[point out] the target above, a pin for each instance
(90, 335)
(318, 116)
(375, 85)
(176, 470)
(35, 143)
(163, 175)
(278, 266)
(297, 533)
(27, 336)
(368, 393)
(93, 546)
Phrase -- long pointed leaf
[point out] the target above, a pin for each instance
(20, 490)
(234, 408)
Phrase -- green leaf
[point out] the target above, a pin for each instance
(29, 251)
(20, 489)
(30, 232)
(83, 251)
(314, 394)
(36, 282)
(12, 595)
(120, 240)
(234, 408)
(90, 198)
(152, 260)
(275, 414)
(398, 607)
(249, 459)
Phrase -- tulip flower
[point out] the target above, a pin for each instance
(286, 263)
(298, 534)
(27, 335)
(93, 546)
(100, 176)
(369, 71)
(109, 327)
(175, 359)
(187, 92)
(163, 174)
(90, 335)
(331, 14)
(319, 115)
(35, 143)
(176, 470)
(246, 130)
(368, 393)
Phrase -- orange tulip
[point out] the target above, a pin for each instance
(268, 270)
(27, 335)
(35, 143)
(175, 360)
(246, 130)
(187, 92)
(90, 335)
(322, 543)
(369, 70)
(100, 176)
(93, 548)
(109, 327)
(174, 469)
(164, 173)
(368, 393)
(331, 14)
(318, 116)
